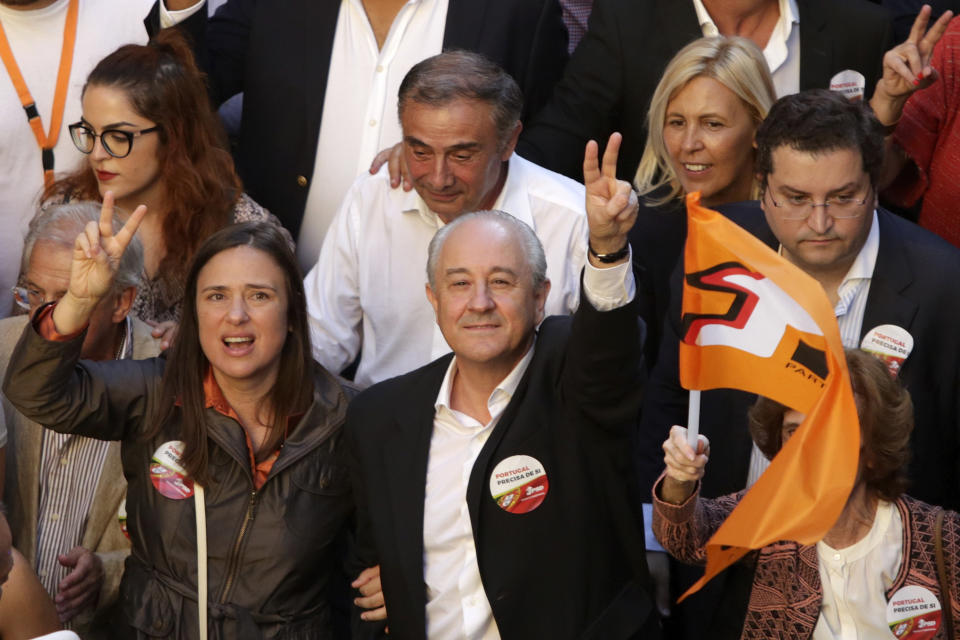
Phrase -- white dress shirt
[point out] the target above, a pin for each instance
(360, 104)
(367, 288)
(855, 580)
(457, 606)
(783, 48)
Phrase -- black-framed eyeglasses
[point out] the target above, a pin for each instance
(838, 207)
(117, 142)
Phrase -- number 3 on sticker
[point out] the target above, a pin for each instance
(519, 484)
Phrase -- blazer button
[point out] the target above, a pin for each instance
(302, 181)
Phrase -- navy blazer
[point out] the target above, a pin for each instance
(613, 72)
(278, 54)
(575, 566)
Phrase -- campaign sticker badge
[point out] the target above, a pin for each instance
(519, 484)
(890, 343)
(122, 517)
(168, 477)
(849, 83)
(913, 613)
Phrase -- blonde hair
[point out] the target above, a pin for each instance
(734, 62)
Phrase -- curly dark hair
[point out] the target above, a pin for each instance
(886, 422)
(819, 120)
(164, 84)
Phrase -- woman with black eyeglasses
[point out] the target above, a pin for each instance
(151, 137)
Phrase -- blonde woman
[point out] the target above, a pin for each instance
(702, 119)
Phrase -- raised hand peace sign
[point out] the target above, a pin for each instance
(611, 203)
(96, 257)
(906, 67)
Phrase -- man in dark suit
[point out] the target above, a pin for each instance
(612, 75)
(818, 158)
(495, 486)
(279, 54)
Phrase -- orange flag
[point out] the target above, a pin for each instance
(755, 322)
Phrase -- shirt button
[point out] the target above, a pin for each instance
(302, 181)
(54, 516)
(63, 461)
(836, 557)
(379, 68)
(42, 574)
(373, 123)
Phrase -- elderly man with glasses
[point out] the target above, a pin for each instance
(66, 492)
(893, 286)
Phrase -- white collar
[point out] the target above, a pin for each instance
(504, 390)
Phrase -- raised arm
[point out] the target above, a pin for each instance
(906, 70)
(96, 256)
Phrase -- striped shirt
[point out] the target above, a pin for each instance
(70, 467)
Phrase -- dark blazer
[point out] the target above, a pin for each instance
(914, 286)
(572, 568)
(613, 73)
(278, 53)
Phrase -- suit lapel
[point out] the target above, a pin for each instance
(465, 19)
(816, 51)
(684, 26)
(888, 302)
(317, 20)
(28, 445)
(406, 449)
(477, 485)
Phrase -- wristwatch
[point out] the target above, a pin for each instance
(607, 258)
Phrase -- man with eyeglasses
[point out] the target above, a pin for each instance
(891, 283)
(65, 492)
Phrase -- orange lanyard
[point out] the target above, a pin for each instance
(47, 141)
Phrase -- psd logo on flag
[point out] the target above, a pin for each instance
(753, 321)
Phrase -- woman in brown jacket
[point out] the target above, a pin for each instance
(238, 408)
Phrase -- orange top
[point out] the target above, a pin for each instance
(213, 395)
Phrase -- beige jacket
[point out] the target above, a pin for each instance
(22, 485)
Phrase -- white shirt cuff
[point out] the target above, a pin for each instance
(649, 539)
(171, 18)
(610, 288)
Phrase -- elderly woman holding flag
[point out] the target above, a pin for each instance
(888, 564)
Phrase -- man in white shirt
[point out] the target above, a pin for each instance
(460, 115)
(494, 485)
(319, 80)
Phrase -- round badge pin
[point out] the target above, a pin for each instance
(122, 517)
(519, 484)
(168, 477)
(890, 343)
(913, 613)
(850, 84)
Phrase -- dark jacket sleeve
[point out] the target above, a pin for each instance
(603, 375)
(47, 382)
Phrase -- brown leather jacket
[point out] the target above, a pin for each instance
(270, 551)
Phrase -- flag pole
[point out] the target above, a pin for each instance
(693, 419)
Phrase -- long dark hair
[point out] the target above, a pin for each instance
(163, 84)
(187, 365)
